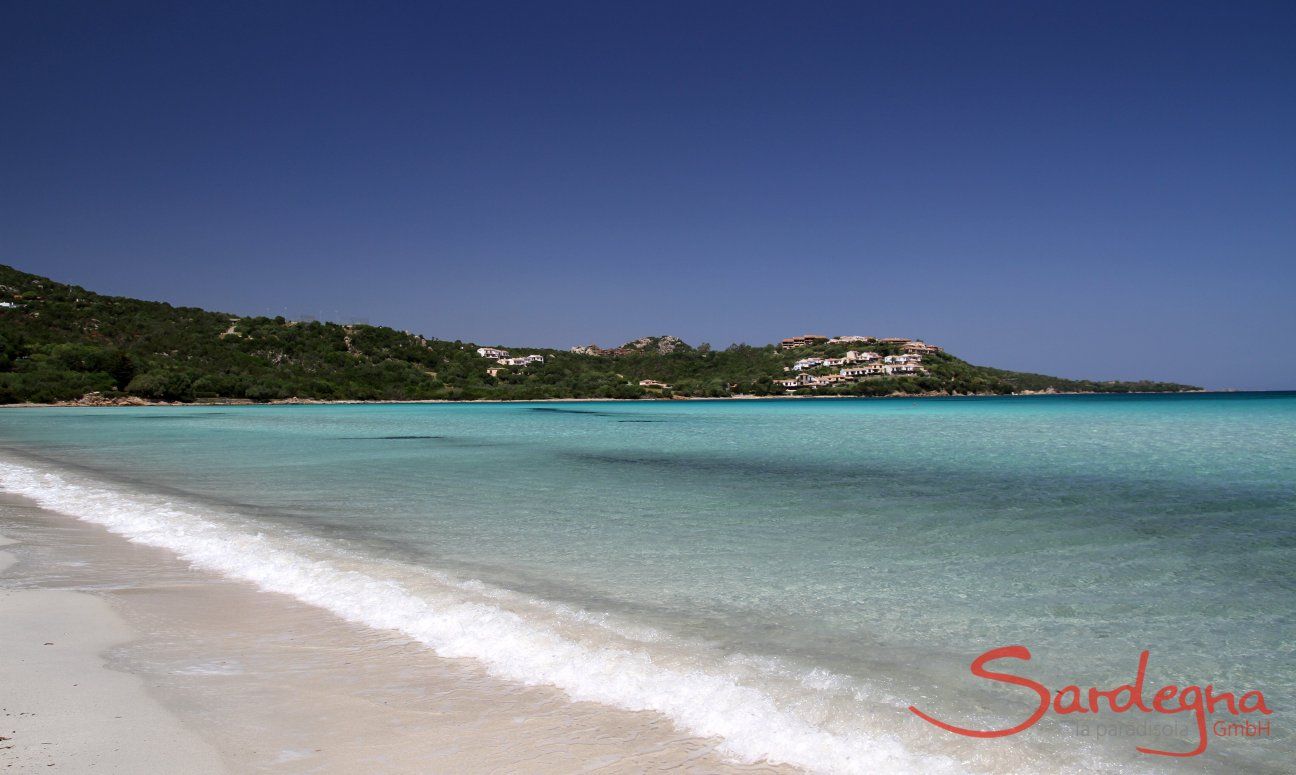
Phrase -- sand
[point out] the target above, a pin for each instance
(157, 667)
(61, 708)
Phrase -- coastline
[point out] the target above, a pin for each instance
(138, 402)
(199, 673)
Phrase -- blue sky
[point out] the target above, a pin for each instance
(1102, 190)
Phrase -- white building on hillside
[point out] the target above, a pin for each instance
(492, 352)
(525, 360)
(919, 346)
(862, 371)
(855, 356)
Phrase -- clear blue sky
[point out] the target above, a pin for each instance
(1088, 189)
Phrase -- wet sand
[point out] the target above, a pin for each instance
(178, 670)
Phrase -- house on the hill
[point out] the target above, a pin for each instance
(855, 356)
(803, 341)
(525, 360)
(492, 352)
(852, 340)
(861, 371)
(919, 346)
(801, 380)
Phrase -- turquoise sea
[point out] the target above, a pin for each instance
(787, 575)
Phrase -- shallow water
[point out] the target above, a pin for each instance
(790, 575)
(236, 666)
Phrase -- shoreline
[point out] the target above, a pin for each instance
(201, 673)
(139, 402)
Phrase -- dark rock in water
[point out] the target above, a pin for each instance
(564, 411)
(384, 438)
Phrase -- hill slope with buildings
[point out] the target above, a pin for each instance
(59, 342)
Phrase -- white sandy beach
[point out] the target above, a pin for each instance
(63, 708)
(152, 666)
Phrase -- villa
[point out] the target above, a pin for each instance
(492, 352)
(804, 340)
(801, 380)
(906, 344)
(525, 360)
(861, 371)
(852, 340)
(919, 346)
(854, 364)
(894, 365)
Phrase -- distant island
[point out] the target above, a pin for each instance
(62, 343)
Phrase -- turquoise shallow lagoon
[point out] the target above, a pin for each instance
(788, 575)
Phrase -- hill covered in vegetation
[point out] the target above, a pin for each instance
(60, 342)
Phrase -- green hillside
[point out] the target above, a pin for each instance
(60, 342)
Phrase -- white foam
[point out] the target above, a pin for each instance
(702, 702)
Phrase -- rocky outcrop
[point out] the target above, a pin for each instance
(662, 345)
(98, 399)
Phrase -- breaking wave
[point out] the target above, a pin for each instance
(707, 701)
